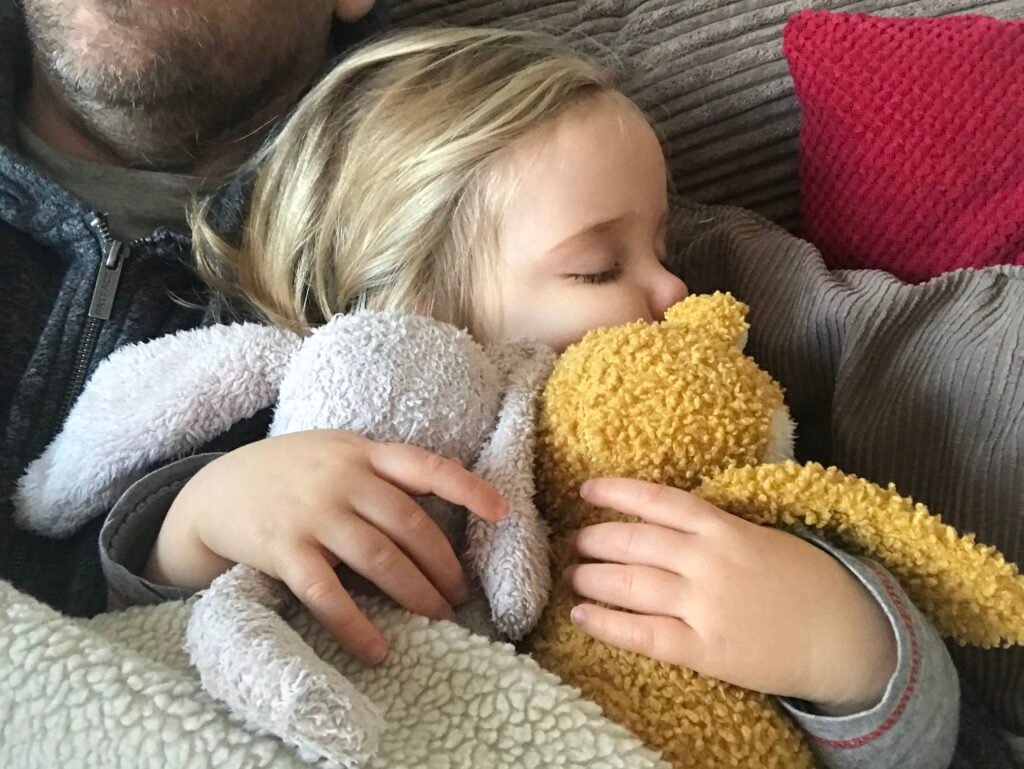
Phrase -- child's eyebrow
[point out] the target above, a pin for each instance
(600, 228)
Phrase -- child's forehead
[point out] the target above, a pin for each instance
(603, 116)
(592, 168)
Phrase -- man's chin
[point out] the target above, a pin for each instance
(118, 9)
(174, 78)
(138, 18)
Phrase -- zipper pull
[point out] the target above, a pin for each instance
(108, 276)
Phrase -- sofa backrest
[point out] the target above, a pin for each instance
(709, 73)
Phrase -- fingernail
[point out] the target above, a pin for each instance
(377, 652)
(585, 488)
(567, 574)
(503, 508)
(573, 539)
(447, 612)
(578, 615)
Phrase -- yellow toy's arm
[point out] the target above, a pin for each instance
(969, 590)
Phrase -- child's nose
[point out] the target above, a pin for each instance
(668, 290)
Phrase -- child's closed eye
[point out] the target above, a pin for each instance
(605, 276)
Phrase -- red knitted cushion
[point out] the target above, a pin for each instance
(912, 140)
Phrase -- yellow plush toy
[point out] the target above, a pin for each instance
(679, 403)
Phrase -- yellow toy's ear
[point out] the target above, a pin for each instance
(718, 315)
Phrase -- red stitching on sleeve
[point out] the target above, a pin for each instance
(915, 667)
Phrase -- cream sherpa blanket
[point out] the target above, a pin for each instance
(118, 691)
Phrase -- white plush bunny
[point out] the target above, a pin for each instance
(387, 376)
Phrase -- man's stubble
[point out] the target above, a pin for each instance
(171, 87)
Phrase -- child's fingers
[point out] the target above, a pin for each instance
(367, 551)
(664, 638)
(313, 581)
(663, 505)
(640, 589)
(418, 471)
(397, 515)
(640, 544)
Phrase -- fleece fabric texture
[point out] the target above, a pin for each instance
(179, 402)
(911, 140)
(386, 376)
(118, 692)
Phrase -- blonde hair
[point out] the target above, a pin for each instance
(379, 190)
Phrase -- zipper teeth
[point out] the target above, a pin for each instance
(87, 343)
(86, 347)
(90, 336)
(99, 223)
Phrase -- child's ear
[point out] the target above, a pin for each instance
(352, 10)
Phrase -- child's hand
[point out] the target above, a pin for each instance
(748, 604)
(297, 505)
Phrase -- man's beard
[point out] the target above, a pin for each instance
(172, 87)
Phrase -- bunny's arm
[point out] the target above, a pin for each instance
(511, 558)
(145, 404)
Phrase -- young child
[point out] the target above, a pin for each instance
(498, 182)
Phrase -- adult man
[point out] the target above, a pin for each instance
(112, 114)
(123, 107)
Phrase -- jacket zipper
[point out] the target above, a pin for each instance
(108, 276)
(104, 289)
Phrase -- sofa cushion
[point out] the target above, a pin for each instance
(912, 140)
(917, 385)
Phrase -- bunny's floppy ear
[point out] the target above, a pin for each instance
(511, 558)
(147, 403)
